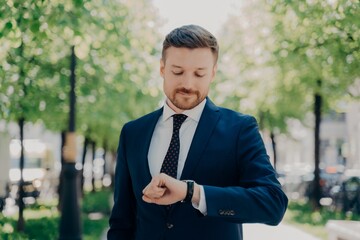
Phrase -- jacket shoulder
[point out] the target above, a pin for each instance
(231, 115)
(144, 120)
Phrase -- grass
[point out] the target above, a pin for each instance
(300, 214)
(96, 209)
(93, 229)
(42, 219)
(319, 231)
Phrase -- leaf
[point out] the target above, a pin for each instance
(78, 3)
(9, 25)
(35, 26)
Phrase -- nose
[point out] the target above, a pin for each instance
(187, 81)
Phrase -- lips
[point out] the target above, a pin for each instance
(185, 91)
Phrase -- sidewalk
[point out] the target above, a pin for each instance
(261, 232)
(280, 232)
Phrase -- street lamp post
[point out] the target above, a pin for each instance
(70, 224)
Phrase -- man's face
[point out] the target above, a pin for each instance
(187, 75)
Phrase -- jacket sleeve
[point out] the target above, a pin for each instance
(258, 197)
(123, 215)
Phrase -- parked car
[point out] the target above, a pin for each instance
(346, 195)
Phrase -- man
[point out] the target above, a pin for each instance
(201, 181)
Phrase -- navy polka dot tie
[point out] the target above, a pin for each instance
(170, 163)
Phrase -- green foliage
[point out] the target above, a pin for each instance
(302, 212)
(42, 228)
(93, 229)
(301, 215)
(274, 52)
(12, 236)
(116, 45)
(97, 202)
(7, 230)
(318, 40)
(40, 224)
(249, 76)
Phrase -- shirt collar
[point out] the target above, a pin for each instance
(194, 113)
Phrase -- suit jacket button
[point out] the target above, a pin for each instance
(221, 212)
(169, 225)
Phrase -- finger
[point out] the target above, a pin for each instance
(147, 199)
(148, 188)
(159, 191)
(158, 201)
(153, 200)
(154, 192)
(154, 182)
(145, 189)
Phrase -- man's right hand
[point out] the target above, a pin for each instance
(164, 190)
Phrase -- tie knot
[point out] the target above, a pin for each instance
(178, 120)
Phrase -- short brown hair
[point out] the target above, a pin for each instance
(191, 36)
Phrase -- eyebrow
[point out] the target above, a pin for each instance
(176, 66)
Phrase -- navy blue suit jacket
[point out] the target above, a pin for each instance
(227, 156)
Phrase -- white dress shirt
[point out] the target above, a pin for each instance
(161, 138)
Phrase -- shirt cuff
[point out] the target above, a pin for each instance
(202, 202)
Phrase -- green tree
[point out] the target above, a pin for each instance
(116, 77)
(250, 80)
(115, 44)
(22, 88)
(318, 50)
(289, 58)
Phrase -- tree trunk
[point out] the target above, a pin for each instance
(21, 193)
(112, 172)
(21, 122)
(104, 156)
(93, 161)
(61, 177)
(273, 144)
(86, 143)
(316, 195)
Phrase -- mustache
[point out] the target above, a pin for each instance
(185, 90)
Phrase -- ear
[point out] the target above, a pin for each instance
(214, 70)
(162, 67)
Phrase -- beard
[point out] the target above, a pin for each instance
(191, 100)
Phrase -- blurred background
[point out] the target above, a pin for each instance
(88, 67)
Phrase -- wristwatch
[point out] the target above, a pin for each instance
(189, 191)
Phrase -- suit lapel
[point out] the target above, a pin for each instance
(147, 132)
(206, 125)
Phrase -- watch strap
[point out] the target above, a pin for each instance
(189, 191)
